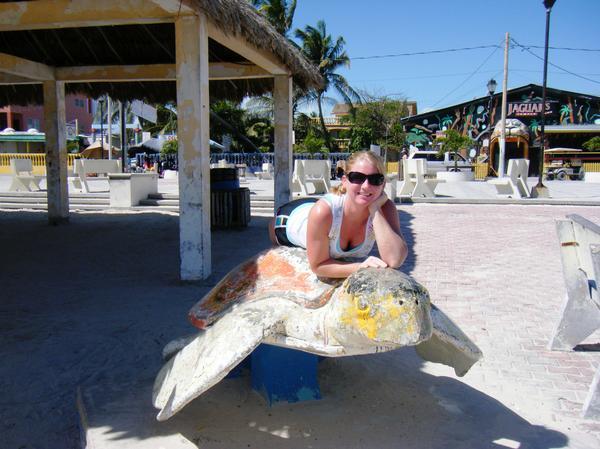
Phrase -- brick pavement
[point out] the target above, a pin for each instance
(496, 271)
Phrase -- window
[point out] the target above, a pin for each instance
(33, 123)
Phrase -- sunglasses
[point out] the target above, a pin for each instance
(356, 177)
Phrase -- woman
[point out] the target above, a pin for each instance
(346, 224)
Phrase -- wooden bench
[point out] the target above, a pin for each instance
(23, 178)
(580, 254)
(100, 168)
(514, 184)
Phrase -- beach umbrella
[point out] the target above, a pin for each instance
(95, 151)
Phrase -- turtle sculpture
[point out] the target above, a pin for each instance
(275, 298)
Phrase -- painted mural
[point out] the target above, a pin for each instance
(476, 117)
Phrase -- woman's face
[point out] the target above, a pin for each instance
(364, 193)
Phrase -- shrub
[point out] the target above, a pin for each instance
(361, 138)
(170, 147)
(593, 144)
(312, 144)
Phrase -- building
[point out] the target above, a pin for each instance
(570, 119)
(78, 109)
(339, 122)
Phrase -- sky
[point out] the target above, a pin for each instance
(376, 28)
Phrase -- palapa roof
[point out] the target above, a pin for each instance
(143, 41)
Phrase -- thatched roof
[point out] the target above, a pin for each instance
(151, 43)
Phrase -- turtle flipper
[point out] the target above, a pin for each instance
(449, 345)
(209, 357)
(174, 346)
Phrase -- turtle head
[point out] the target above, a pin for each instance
(380, 307)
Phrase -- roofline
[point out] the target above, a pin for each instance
(525, 86)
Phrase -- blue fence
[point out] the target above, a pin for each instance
(253, 161)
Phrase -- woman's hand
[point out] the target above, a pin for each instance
(373, 262)
(376, 205)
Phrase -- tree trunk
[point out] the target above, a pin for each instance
(325, 132)
(233, 131)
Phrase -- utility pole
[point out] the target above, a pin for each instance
(504, 108)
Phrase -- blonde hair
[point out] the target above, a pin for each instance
(369, 156)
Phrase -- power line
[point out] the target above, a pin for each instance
(496, 47)
(563, 48)
(450, 75)
(451, 50)
(427, 52)
(553, 65)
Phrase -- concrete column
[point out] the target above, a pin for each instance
(194, 151)
(282, 94)
(56, 151)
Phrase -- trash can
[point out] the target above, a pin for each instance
(229, 204)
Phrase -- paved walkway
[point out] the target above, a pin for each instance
(91, 304)
(474, 190)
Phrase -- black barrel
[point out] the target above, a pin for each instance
(224, 179)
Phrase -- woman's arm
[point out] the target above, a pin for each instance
(386, 224)
(317, 246)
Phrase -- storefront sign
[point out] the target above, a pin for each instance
(528, 109)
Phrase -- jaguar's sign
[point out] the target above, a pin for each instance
(529, 109)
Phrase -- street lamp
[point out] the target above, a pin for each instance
(101, 102)
(491, 87)
(540, 190)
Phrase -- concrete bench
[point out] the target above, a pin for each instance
(315, 172)
(266, 172)
(514, 184)
(416, 184)
(128, 189)
(99, 167)
(391, 187)
(580, 254)
(23, 178)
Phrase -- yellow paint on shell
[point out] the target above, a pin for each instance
(371, 320)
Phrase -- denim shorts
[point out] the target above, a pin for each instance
(282, 216)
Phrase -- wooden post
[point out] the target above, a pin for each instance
(56, 152)
(282, 94)
(194, 151)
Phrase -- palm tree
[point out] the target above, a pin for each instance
(280, 13)
(328, 55)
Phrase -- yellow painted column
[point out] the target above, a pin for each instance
(194, 151)
(282, 95)
(56, 151)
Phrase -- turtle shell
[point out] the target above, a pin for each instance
(280, 272)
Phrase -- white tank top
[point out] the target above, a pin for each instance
(297, 224)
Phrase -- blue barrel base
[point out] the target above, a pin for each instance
(241, 370)
(284, 375)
